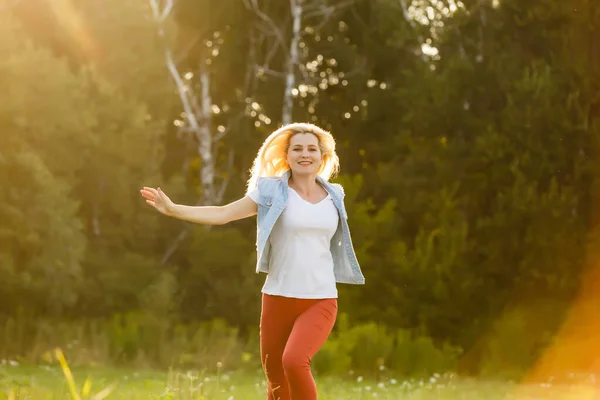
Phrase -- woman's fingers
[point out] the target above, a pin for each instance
(162, 195)
(150, 198)
(149, 193)
(151, 190)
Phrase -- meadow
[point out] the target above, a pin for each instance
(59, 381)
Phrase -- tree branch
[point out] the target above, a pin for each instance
(184, 53)
(161, 16)
(324, 21)
(327, 11)
(305, 76)
(271, 53)
(315, 5)
(167, 10)
(174, 245)
(229, 127)
(250, 78)
(359, 68)
(187, 106)
(410, 21)
(227, 179)
(253, 5)
(270, 71)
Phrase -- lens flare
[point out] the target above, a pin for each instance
(69, 19)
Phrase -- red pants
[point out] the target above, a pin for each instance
(291, 332)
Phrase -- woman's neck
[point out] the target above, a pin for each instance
(305, 185)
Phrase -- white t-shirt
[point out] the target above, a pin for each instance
(300, 243)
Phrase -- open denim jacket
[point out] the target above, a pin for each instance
(273, 196)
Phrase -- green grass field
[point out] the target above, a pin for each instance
(45, 382)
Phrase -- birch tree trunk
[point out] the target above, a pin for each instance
(292, 61)
(205, 140)
(197, 120)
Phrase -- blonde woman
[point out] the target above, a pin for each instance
(303, 245)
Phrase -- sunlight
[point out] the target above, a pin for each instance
(573, 356)
(429, 50)
(576, 347)
(70, 20)
(425, 12)
(432, 13)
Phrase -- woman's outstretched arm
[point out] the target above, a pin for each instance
(208, 215)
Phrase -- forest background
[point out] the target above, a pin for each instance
(468, 137)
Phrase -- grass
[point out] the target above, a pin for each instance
(56, 382)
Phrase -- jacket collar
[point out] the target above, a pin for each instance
(288, 173)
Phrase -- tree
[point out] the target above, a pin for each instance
(43, 241)
(272, 39)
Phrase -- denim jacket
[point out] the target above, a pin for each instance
(273, 195)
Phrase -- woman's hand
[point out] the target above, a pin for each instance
(159, 200)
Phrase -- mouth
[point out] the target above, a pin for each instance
(305, 163)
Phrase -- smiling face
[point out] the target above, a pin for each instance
(304, 154)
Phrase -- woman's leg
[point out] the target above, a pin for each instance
(309, 333)
(276, 322)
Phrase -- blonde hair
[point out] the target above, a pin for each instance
(271, 159)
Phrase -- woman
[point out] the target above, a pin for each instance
(303, 244)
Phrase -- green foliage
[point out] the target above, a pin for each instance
(51, 116)
(516, 340)
(370, 348)
(73, 165)
(372, 345)
(42, 241)
(132, 339)
(221, 271)
(418, 356)
(332, 359)
(489, 169)
(214, 345)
